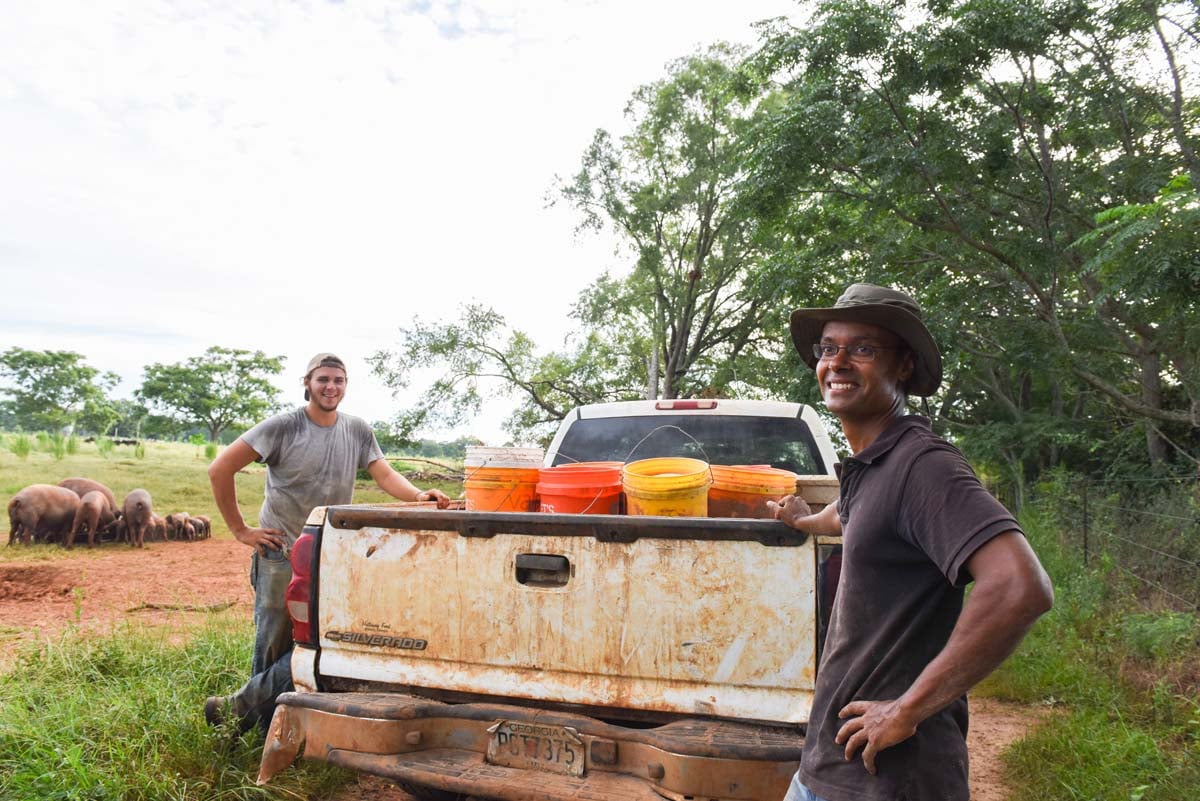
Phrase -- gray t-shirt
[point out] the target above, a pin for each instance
(308, 465)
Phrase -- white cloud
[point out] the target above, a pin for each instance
(306, 176)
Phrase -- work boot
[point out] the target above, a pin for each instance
(220, 711)
(216, 710)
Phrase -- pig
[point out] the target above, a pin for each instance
(118, 530)
(175, 525)
(139, 516)
(158, 528)
(202, 526)
(82, 486)
(41, 511)
(92, 516)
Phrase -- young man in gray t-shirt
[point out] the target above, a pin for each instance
(312, 455)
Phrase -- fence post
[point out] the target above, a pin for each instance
(1085, 523)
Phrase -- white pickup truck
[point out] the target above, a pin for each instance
(550, 656)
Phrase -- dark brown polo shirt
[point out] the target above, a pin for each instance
(913, 512)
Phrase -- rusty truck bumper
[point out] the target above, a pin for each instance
(522, 754)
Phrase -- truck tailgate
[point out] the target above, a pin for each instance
(604, 611)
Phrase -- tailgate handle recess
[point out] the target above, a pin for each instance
(543, 570)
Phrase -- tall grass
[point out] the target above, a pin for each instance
(58, 446)
(20, 445)
(1126, 677)
(120, 717)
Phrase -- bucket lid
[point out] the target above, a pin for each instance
(481, 456)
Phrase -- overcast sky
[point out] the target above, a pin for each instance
(306, 176)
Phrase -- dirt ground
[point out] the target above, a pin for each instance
(167, 583)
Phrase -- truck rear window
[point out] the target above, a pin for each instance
(783, 442)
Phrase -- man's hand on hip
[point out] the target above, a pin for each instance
(261, 538)
(874, 726)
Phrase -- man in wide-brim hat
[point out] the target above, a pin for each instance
(889, 714)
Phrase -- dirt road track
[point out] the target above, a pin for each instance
(98, 588)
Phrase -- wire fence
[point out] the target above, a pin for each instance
(1147, 529)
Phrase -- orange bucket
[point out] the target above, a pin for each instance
(743, 490)
(581, 488)
(502, 489)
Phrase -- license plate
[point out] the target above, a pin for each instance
(533, 746)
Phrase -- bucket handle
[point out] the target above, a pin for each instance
(656, 429)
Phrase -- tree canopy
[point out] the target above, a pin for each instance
(53, 388)
(223, 387)
(1005, 161)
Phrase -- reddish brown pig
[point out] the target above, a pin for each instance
(41, 512)
(202, 525)
(139, 516)
(92, 516)
(159, 527)
(82, 486)
(175, 525)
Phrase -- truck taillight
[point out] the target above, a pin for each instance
(299, 591)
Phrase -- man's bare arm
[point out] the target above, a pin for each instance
(1011, 592)
(400, 487)
(796, 512)
(220, 475)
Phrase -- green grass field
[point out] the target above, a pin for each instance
(115, 716)
(174, 473)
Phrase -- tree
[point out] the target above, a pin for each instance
(224, 387)
(51, 388)
(480, 351)
(669, 189)
(962, 153)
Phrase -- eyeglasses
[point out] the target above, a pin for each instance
(858, 353)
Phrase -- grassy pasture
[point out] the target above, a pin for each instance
(174, 473)
(116, 716)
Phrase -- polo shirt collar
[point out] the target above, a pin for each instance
(890, 436)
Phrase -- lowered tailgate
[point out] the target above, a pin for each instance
(676, 615)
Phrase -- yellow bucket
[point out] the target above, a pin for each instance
(666, 487)
(743, 490)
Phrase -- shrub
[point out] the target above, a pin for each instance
(58, 446)
(72, 445)
(139, 450)
(20, 445)
(104, 446)
(210, 450)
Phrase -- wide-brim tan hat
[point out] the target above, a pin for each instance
(882, 306)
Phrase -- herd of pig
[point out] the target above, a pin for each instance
(59, 513)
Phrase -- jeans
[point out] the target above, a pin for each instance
(271, 665)
(798, 792)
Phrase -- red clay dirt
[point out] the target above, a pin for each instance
(173, 582)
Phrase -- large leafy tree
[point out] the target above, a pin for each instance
(52, 388)
(223, 387)
(963, 150)
(480, 353)
(669, 190)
